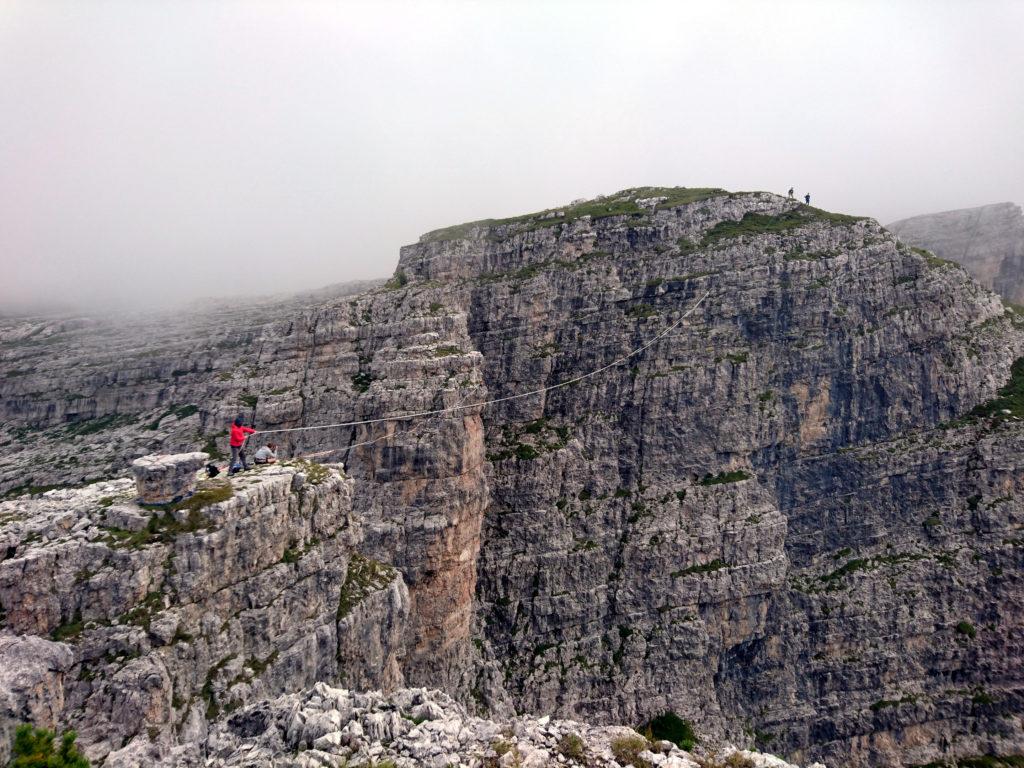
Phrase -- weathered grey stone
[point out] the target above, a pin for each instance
(453, 738)
(32, 674)
(770, 521)
(165, 478)
(168, 626)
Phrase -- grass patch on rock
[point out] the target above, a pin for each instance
(315, 472)
(977, 761)
(779, 224)
(721, 478)
(621, 203)
(627, 749)
(165, 525)
(714, 565)
(101, 424)
(364, 577)
(1009, 399)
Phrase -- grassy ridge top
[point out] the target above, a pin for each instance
(621, 203)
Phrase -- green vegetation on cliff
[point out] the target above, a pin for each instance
(33, 748)
(619, 204)
(670, 727)
(1009, 400)
(765, 224)
(364, 576)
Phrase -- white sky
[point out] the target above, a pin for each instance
(157, 151)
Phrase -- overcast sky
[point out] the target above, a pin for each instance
(156, 151)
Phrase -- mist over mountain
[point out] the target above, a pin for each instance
(359, 409)
(788, 517)
(156, 152)
(988, 240)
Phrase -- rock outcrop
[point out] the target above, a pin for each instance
(419, 728)
(135, 625)
(988, 240)
(792, 517)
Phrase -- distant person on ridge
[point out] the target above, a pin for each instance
(791, 192)
(238, 435)
(266, 455)
(807, 198)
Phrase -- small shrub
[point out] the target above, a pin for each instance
(641, 310)
(627, 749)
(967, 629)
(70, 631)
(399, 280)
(33, 748)
(714, 565)
(361, 381)
(982, 698)
(525, 452)
(210, 447)
(734, 760)
(725, 477)
(446, 351)
(671, 727)
(571, 747)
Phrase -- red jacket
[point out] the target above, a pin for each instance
(238, 435)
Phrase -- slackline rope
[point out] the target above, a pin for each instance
(485, 403)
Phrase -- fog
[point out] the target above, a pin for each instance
(155, 152)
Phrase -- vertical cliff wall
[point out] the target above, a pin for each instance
(651, 533)
(785, 520)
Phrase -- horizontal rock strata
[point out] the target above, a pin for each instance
(793, 519)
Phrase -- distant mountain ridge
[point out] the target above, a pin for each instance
(987, 240)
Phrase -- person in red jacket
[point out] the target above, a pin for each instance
(238, 435)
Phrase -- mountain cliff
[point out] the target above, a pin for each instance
(793, 519)
(988, 240)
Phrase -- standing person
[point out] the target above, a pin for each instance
(807, 198)
(238, 435)
(790, 193)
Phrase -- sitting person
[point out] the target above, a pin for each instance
(266, 455)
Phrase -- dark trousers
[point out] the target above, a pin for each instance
(238, 456)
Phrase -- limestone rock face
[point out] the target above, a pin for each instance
(200, 610)
(779, 516)
(988, 240)
(166, 478)
(32, 672)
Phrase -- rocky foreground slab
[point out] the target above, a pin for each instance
(326, 726)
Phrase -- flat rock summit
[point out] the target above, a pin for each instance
(717, 460)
